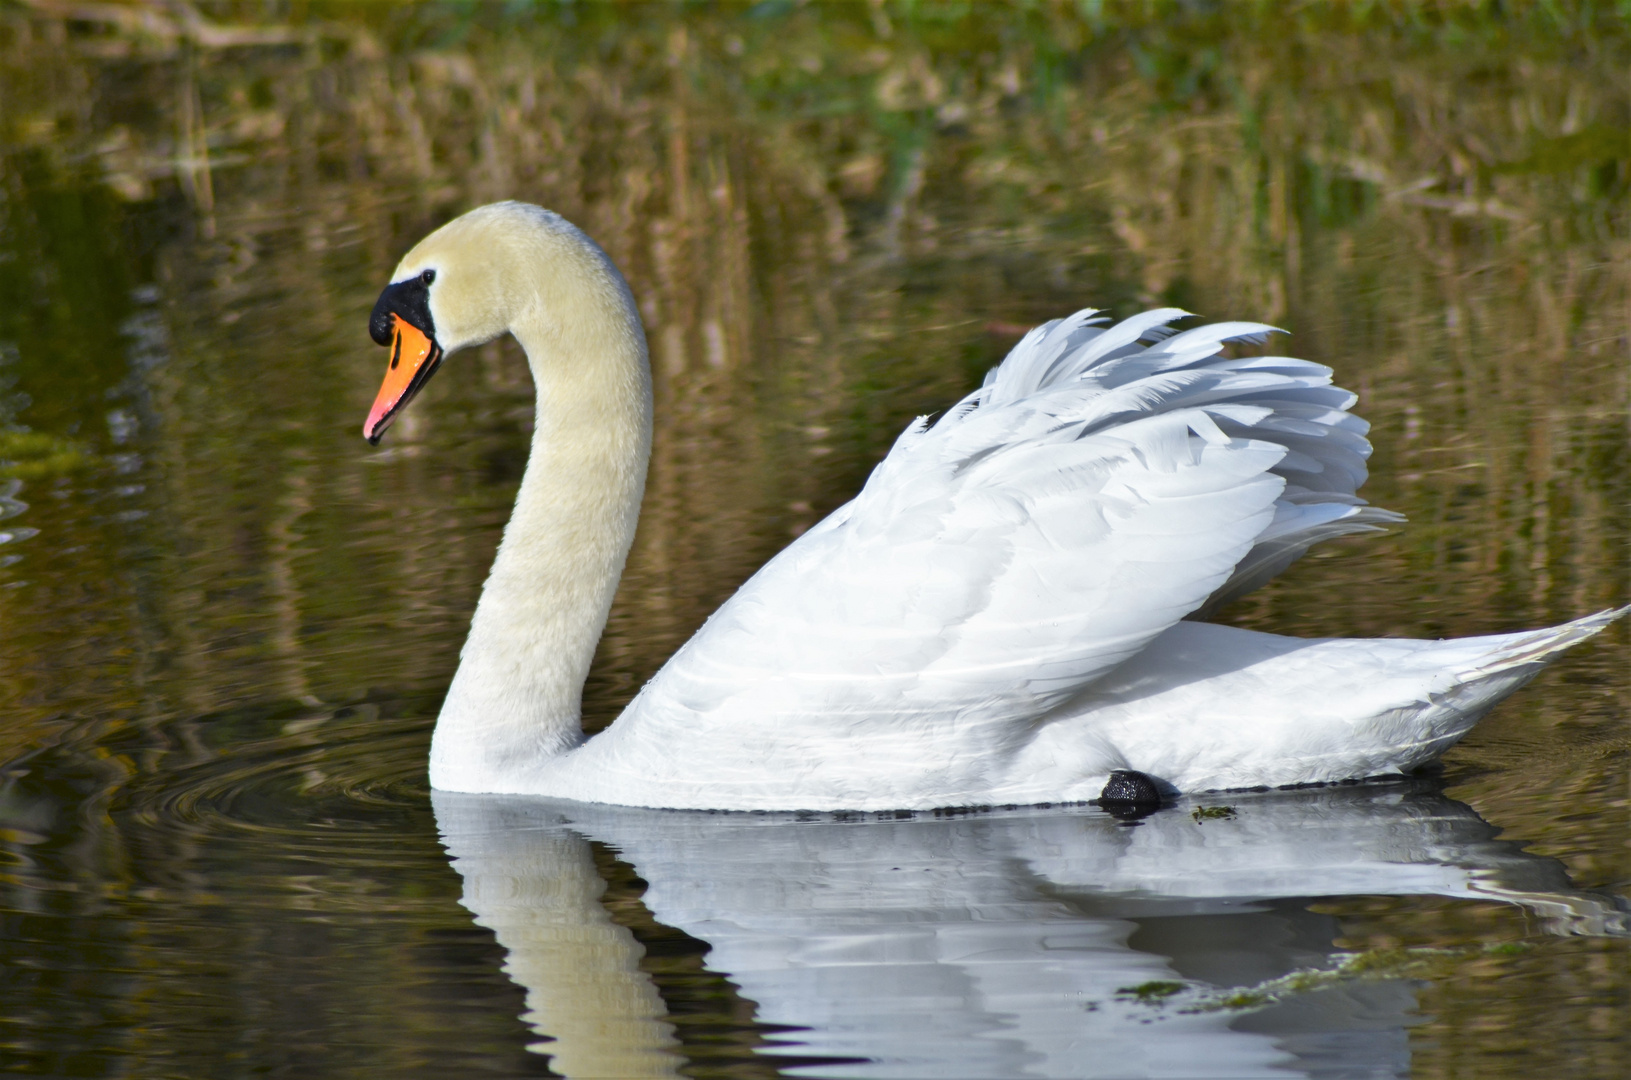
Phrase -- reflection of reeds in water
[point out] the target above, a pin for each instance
(832, 220)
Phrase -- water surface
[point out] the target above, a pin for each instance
(226, 622)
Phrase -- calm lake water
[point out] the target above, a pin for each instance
(226, 622)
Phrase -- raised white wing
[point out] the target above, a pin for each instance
(1092, 493)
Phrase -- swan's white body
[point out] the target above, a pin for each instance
(994, 619)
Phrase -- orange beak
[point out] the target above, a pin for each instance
(414, 359)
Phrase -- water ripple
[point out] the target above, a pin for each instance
(316, 774)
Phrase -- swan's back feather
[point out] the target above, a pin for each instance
(1279, 399)
(1089, 495)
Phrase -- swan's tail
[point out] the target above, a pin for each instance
(1535, 646)
(1486, 669)
(1209, 708)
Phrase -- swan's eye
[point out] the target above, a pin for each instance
(428, 276)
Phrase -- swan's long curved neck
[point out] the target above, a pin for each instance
(515, 701)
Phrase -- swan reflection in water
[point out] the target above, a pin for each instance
(1036, 943)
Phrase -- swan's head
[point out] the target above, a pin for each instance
(470, 281)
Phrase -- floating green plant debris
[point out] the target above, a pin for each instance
(32, 455)
(1373, 964)
(1152, 993)
(1212, 813)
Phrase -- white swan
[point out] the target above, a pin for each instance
(994, 619)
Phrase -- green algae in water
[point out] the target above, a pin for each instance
(1420, 962)
(1155, 992)
(1372, 965)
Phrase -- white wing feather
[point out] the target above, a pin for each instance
(1091, 494)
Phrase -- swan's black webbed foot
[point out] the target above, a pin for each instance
(1129, 795)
